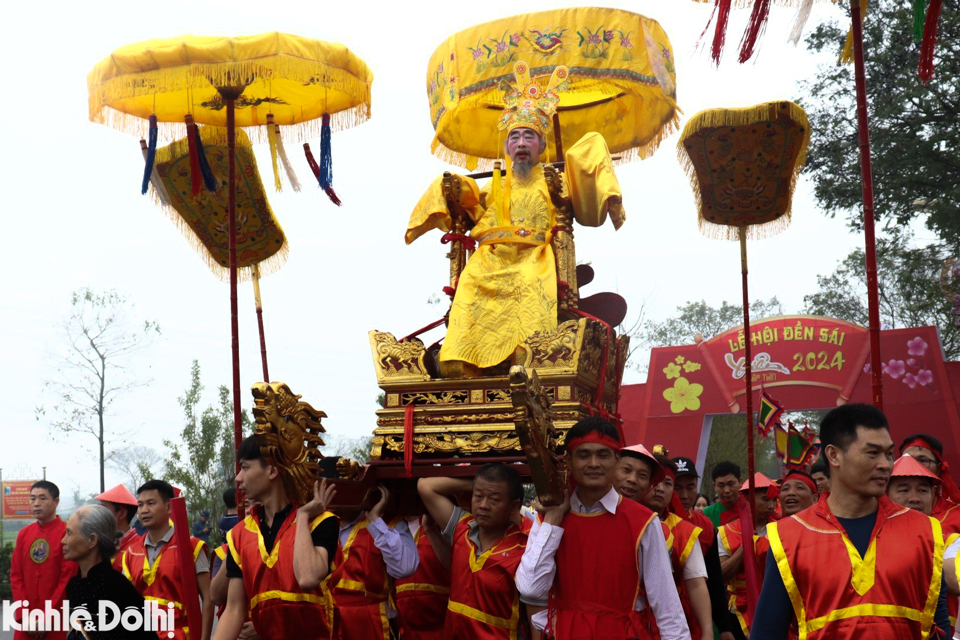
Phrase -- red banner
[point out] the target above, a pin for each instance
(789, 350)
(16, 499)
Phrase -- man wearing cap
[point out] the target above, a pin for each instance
(686, 554)
(591, 556)
(928, 451)
(123, 505)
(855, 565)
(151, 562)
(732, 547)
(798, 491)
(685, 488)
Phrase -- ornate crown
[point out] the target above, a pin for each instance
(527, 105)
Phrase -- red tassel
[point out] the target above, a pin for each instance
(408, 441)
(755, 29)
(196, 180)
(720, 31)
(315, 168)
(929, 42)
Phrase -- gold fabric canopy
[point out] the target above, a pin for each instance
(743, 165)
(622, 80)
(203, 219)
(296, 79)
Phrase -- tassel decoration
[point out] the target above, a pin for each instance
(803, 15)
(193, 135)
(272, 139)
(495, 186)
(158, 188)
(285, 161)
(919, 16)
(720, 30)
(755, 29)
(326, 161)
(315, 168)
(209, 180)
(150, 156)
(929, 42)
(846, 56)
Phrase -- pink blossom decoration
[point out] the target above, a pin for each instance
(912, 362)
(594, 38)
(910, 380)
(917, 346)
(515, 38)
(867, 368)
(896, 368)
(924, 376)
(608, 35)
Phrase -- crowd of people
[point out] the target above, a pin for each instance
(860, 546)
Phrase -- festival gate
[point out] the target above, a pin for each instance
(805, 362)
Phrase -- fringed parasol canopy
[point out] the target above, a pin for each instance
(203, 219)
(743, 165)
(622, 81)
(296, 79)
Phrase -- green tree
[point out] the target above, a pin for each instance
(202, 462)
(914, 128)
(700, 318)
(908, 285)
(95, 368)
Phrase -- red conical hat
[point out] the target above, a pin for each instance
(118, 495)
(906, 466)
(640, 451)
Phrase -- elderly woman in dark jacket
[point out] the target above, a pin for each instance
(90, 541)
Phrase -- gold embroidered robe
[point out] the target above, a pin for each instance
(508, 289)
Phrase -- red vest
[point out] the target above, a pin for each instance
(279, 608)
(422, 598)
(484, 602)
(683, 536)
(122, 546)
(597, 583)
(732, 539)
(161, 582)
(890, 593)
(360, 587)
(38, 571)
(708, 535)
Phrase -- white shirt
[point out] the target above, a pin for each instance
(538, 568)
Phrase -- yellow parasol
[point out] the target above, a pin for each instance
(243, 81)
(743, 165)
(622, 81)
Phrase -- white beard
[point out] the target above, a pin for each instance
(523, 168)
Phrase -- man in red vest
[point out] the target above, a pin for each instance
(372, 551)
(913, 486)
(732, 549)
(686, 553)
(798, 491)
(151, 562)
(279, 556)
(928, 451)
(486, 547)
(726, 484)
(123, 505)
(855, 565)
(422, 599)
(592, 556)
(38, 571)
(686, 491)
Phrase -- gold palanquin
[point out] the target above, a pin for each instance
(203, 219)
(296, 79)
(622, 80)
(743, 165)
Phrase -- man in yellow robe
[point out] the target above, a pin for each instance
(508, 289)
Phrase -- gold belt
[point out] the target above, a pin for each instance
(514, 235)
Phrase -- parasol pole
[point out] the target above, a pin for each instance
(748, 368)
(255, 270)
(229, 98)
(873, 298)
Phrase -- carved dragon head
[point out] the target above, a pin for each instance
(288, 433)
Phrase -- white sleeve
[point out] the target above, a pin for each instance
(662, 593)
(695, 567)
(538, 566)
(952, 550)
(722, 550)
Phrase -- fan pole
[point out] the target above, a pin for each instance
(748, 369)
(255, 271)
(873, 298)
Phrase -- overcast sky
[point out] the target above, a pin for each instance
(73, 215)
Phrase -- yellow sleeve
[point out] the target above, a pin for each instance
(592, 184)
(432, 212)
